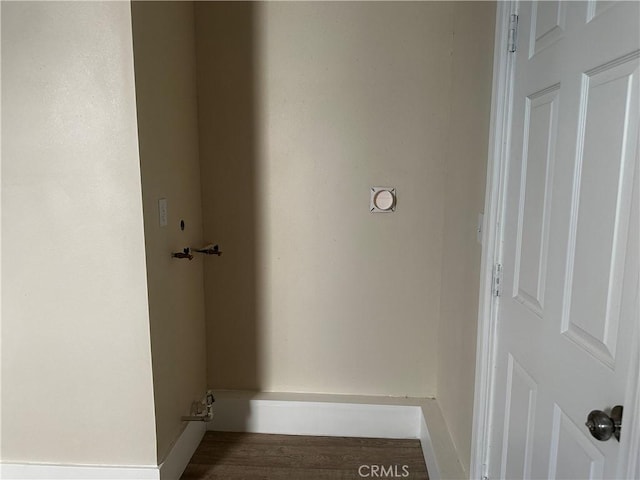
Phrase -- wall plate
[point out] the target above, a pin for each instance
(163, 215)
(382, 200)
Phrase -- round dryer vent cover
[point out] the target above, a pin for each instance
(382, 200)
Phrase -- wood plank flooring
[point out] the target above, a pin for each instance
(235, 456)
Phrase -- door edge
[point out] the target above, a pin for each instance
(499, 134)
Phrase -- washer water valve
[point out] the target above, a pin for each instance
(201, 411)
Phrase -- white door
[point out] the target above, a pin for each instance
(569, 305)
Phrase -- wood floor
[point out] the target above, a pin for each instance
(235, 456)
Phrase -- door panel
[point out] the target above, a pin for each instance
(541, 112)
(600, 214)
(547, 25)
(520, 412)
(572, 453)
(569, 311)
(596, 7)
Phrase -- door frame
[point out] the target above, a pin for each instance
(497, 166)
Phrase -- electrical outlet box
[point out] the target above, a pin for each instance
(163, 214)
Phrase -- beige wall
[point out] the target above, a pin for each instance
(464, 199)
(164, 52)
(76, 360)
(303, 107)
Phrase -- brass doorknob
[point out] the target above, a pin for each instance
(603, 426)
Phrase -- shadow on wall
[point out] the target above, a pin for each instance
(302, 108)
(227, 120)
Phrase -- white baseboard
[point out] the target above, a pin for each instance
(170, 469)
(295, 417)
(37, 471)
(427, 451)
(182, 451)
(289, 414)
(344, 416)
(440, 452)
